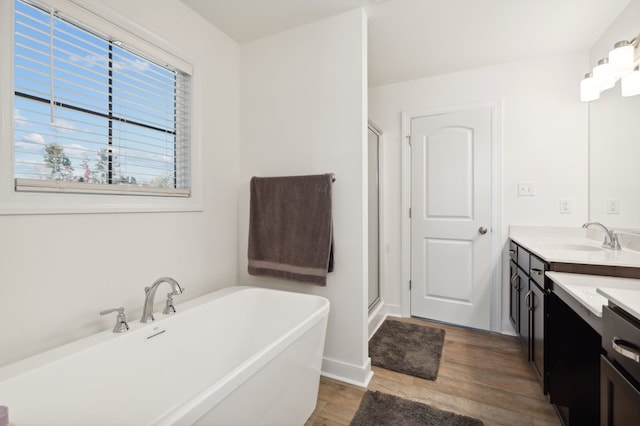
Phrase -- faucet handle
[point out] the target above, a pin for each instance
(119, 310)
(169, 308)
(121, 320)
(615, 244)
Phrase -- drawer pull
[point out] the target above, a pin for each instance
(515, 282)
(625, 349)
(527, 299)
(536, 271)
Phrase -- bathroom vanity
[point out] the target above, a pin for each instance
(527, 305)
(556, 308)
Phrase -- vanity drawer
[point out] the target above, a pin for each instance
(513, 251)
(523, 259)
(621, 339)
(537, 270)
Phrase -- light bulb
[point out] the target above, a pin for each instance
(630, 83)
(602, 75)
(621, 58)
(589, 89)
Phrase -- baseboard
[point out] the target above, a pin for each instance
(507, 328)
(392, 310)
(376, 317)
(349, 373)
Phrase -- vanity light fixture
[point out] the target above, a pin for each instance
(621, 58)
(603, 75)
(619, 65)
(588, 88)
(630, 83)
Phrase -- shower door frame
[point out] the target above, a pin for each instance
(377, 302)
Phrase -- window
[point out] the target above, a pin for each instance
(94, 115)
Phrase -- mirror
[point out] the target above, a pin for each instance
(614, 138)
(614, 160)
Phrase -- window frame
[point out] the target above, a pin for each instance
(102, 18)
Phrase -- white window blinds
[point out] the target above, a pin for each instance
(93, 115)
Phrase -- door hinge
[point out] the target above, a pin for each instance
(409, 284)
(409, 212)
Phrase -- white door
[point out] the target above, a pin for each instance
(451, 217)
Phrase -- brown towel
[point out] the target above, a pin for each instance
(290, 228)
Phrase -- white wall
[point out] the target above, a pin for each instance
(543, 139)
(624, 27)
(303, 111)
(58, 271)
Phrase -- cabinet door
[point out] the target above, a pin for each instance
(619, 399)
(536, 318)
(514, 298)
(523, 312)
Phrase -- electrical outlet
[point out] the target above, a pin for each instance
(526, 189)
(565, 206)
(613, 206)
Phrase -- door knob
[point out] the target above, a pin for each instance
(482, 230)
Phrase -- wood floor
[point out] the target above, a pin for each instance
(482, 375)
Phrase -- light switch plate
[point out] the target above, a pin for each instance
(526, 189)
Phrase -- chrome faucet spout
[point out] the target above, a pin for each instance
(150, 294)
(610, 238)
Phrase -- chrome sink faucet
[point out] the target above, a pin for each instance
(150, 294)
(610, 239)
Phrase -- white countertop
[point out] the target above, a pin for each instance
(627, 299)
(593, 291)
(572, 245)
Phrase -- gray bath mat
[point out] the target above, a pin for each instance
(381, 409)
(407, 348)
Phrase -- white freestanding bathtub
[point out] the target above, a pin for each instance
(237, 356)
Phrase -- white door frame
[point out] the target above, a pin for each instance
(496, 203)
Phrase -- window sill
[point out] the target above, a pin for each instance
(33, 203)
(48, 186)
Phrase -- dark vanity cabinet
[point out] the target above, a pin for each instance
(514, 288)
(620, 399)
(573, 363)
(588, 365)
(523, 309)
(514, 298)
(527, 305)
(619, 368)
(537, 298)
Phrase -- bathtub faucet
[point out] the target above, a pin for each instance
(150, 294)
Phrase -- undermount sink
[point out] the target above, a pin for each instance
(570, 246)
